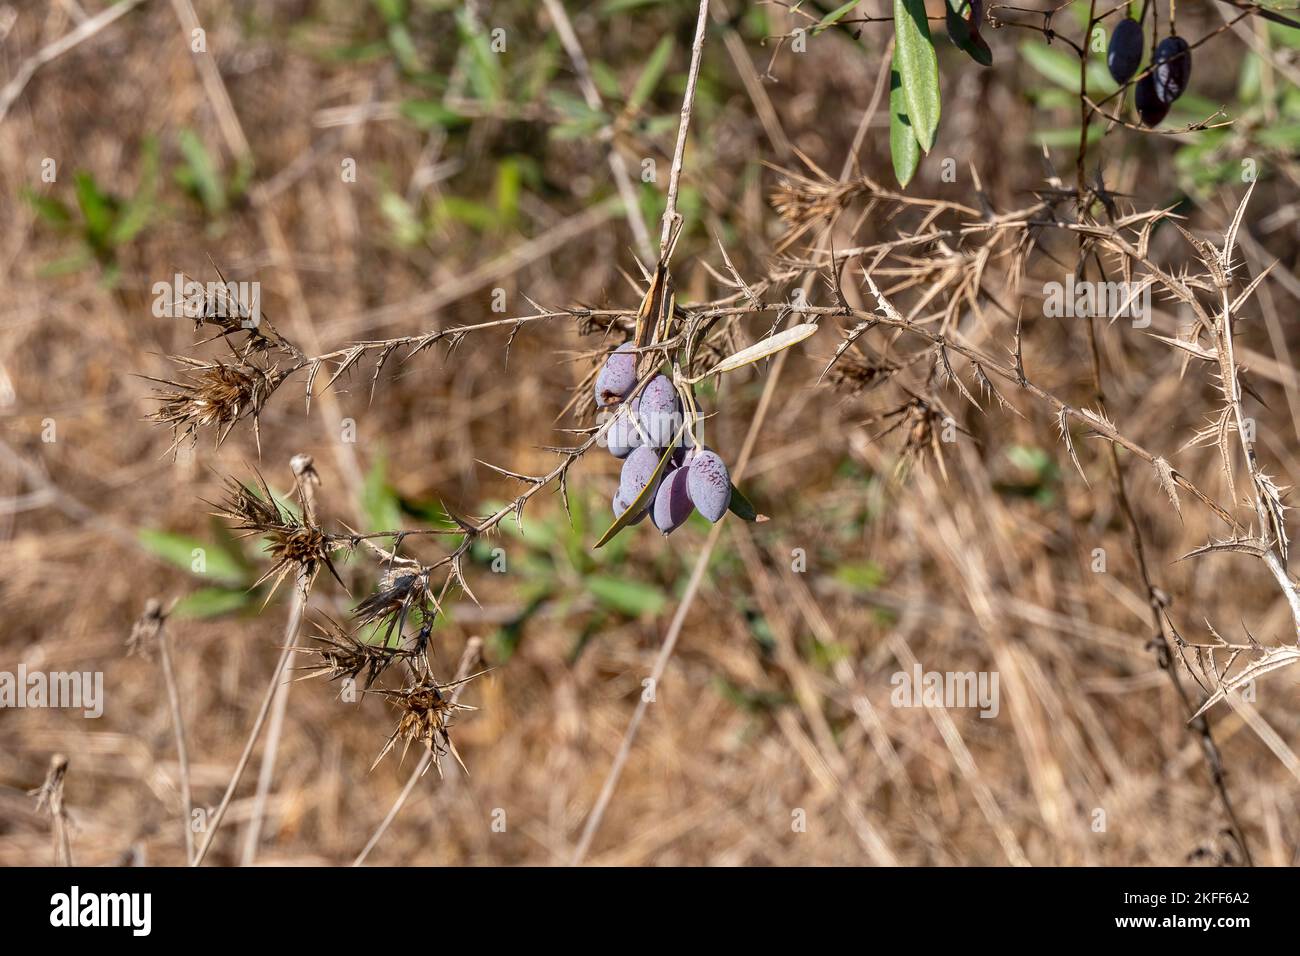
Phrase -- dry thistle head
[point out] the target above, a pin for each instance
(854, 373)
(49, 795)
(293, 542)
(400, 591)
(213, 394)
(802, 201)
(425, 712)
(145, 631)
(923, 422)
(340, 653)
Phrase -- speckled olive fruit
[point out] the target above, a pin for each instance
(638, 468)
(708, 484)
(1124, 55)
(672, 501)
(620, 506)
(617, 377)
(1173, 70)
(1149, 106)
(622, 437)
(658, 411)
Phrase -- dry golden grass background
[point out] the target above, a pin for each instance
(778, 697)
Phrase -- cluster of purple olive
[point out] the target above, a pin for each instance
(1157, 90)
(694, 480)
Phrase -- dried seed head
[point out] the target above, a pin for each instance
(292, 542)
(854, 374)
(340, 653)
(212, 394)
(398, 593)
(801, 201)
(145, 631)
(49, 795)
(923, 423)
(425, 713)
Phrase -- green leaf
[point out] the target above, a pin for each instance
(1280, 137)
(651, 74)
(606, 80)
(482, 65)
(403, 47)
(212, 602)
(393, 11)
(96, 208)
(508, 187)
(1063, 69)
(48, 208)
(622, 6)
(407, 228)
(427, 114)
(835, 16)
(904, 150)
(1053, 64)
(627, 597)
(178, 549)
(135, 214)
(477, 215)
(965, 33)
(379, 502)
(861, 575)
(542, 67)
(918, 69)
(66, 265)
(203, 178)
(741, 506)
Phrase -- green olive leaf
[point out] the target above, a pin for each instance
(918, 68)
(903, 147)
(964, 32)
(742, 507)
(836, 15)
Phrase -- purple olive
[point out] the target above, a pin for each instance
(638, 468)
(659, 411)
(1173, 70)
(708, 484)
(622, 436)
(672, 502)
(1149, 105)
(617, 377)
(1124, 55)
(620, 506)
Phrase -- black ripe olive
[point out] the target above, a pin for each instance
(1149, 105)
(1124, 54)
(1173, 62)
